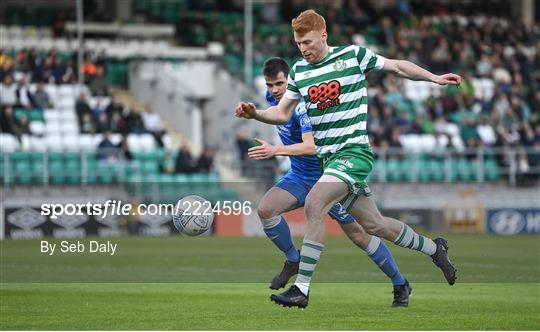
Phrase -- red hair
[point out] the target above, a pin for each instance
(307, 21)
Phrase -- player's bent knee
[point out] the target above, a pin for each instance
(374, 227)
(266, 212)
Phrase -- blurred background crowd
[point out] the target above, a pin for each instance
(497, 105)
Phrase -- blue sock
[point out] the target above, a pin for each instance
(380, 255)
(280, 234)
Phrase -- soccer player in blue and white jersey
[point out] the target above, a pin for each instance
(291, 191)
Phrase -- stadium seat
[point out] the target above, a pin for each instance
(56, 168)
(38, 143)
(52, 128)
(54, 142)
(52, 91)
(72, 164)
(69, 128)
(491, 170)
(20, 167)
(25, 142)
(68, 115)
(86, 142)
(71, 142)
(393, 171)
(38, 164)
(65, 103)
(436, 170)
(9, 143)
(147, 142)
(133, 142)
(36, 114)
(406, 169)
(465, 170)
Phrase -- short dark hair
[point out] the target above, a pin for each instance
(273, 66)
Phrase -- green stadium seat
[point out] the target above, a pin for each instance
(465, 170)
(105, 173)
(73, 167)
(56, 171)
(393, 171)
(38, 167)
(36, 114)
(150, 167)
(23, 171)
(436, 170)
(406, 168)
(424, 172)
(491, 170)
(88, 161)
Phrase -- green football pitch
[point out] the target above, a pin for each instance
(221, 283)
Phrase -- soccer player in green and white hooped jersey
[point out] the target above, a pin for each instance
(331, 80)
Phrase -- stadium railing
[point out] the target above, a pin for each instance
(517, 166)
(144, 176)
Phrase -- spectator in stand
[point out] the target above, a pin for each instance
(24, 97)
(58, 71)
(485, 132)
(6, 65)
(102, 123)
(24, 125)
(205, 161)
(88, 70)
(33, 63)
(133, 120)
(123, 149)
(82, 107)
(41, 97)
(99, 84)
(106, 150)
(469, 133)
(115, 106)
(184, 160)
(71, 74)
(243, 145)
(9, 124)
(88, 125)
(152, 123)
(45, 70)
(8, 92)
(98, 109)
(59, 25)
(114, 111)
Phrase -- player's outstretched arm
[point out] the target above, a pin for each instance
(276, 115)
(414, 72)
(267, 150)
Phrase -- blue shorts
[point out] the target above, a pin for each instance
(299, 188)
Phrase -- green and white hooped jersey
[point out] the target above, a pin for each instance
(335, 93)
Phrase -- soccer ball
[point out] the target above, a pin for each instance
(193, 215)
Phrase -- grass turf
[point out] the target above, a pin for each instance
(150, 284)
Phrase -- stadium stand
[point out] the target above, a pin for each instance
(58, 138)
(419, 132)
(497, 106)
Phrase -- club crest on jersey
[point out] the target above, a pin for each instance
(340, 65)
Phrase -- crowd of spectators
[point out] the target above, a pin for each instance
(56, 68)
(186, 163)
(473, 39)
(119, 116)
(50, 68)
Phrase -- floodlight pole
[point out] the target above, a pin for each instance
(248, 41)
(80, 49)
